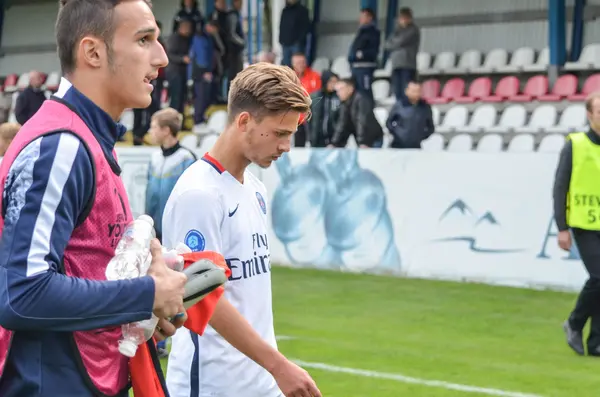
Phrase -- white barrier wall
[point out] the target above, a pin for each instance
(468, 216)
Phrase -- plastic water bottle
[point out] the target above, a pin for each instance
(131, 260)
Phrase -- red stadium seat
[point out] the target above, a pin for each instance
(565, 85)
(453, 88)
(430, 89)
(592, 84)
(507, 87)
(10, 84)
(535, 87)
(480, 88)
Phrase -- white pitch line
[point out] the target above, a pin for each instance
(285, 337)
(415, 381)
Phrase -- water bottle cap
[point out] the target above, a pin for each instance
(127, 348)
(146, 218)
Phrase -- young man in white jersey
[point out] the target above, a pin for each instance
(218, 205)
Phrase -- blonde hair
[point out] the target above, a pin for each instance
(8, 131)
(265, 89)
(169, 117)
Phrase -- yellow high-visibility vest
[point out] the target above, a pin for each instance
(583, 204)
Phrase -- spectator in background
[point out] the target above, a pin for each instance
(188, 11)
(142, 117)
(236, 42)
(403, 46)
(324, 108)
(364, 52)
(8, 131)
(267, 56)
(410, 121)
(311, 81)
(294, 26)
(203, 68)
(178, 49)
(356, 118)
(221, 17)
(31, 99)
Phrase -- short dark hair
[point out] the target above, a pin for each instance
(369, 11)
(348, 81)
(406, 12)
(299, 54)
(170, 118)
(78, 18)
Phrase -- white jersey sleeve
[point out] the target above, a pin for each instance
(194, 217)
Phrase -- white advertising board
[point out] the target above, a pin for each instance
(460, 216)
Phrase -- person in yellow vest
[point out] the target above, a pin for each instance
(577, 215)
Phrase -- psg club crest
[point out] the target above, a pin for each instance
(261, 202)
(195, 240)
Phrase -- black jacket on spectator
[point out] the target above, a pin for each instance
(28, 103)
(324, 110)
(294, 25)
(193, 15)
(356, 117)
(366, 41)
(177, 47)
(410, 124)
(236, 41)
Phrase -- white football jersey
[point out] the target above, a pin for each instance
(210, 210)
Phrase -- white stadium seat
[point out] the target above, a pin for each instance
(589, 59)
(520, 58)
(483, 118)
(435, 143)
(490, 143)
(552, 143)
(384, 73)
(542, 118)
(460, 143)
(455, 119)
(381, 92)
(443, 61)
(512, 117)
(497, 58)
(468, 60)
(523, 143)
(320, 64)
(573, 118)
(435, 112)
(541, 64)
(423, 61)
(341, 67)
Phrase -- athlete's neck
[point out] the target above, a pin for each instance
(93, 91)
(228, 153)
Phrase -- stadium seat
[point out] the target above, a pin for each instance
(381, 114)
(468, 60)
(436, 115)
(453, 88)
(507, 87)
(552, 143)
(423, 61)
(565, 85)
(443, 61)
(384, 73)
(23, 81)
(480, 88)
(490, 143)
(10, 84)
(320, 64)
(127, 119)
(542, 118)
(535, 87)
(53, 81)
(512, 117)
(592, 84)
(341, 67)
(455, 119)
(495, 59)
(430, 89)
(190, 141)
(483, 118)
(573, 118)
(521, 57)
(434, 143)
(521, 144)
(541, 64)
(381, 90)
(589, 59)
(460, 143)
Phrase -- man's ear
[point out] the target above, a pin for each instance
(92, 51)
(242, 121)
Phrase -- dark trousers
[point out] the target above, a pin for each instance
(364, 79)
(178, 92)
(300, 136)
(588, 302)
(288, 52)
(400, 80)
(204, 97)
(142, 117)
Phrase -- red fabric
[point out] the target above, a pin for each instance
(311, 80)
(144, 375)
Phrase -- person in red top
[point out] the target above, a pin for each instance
(311, 81)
